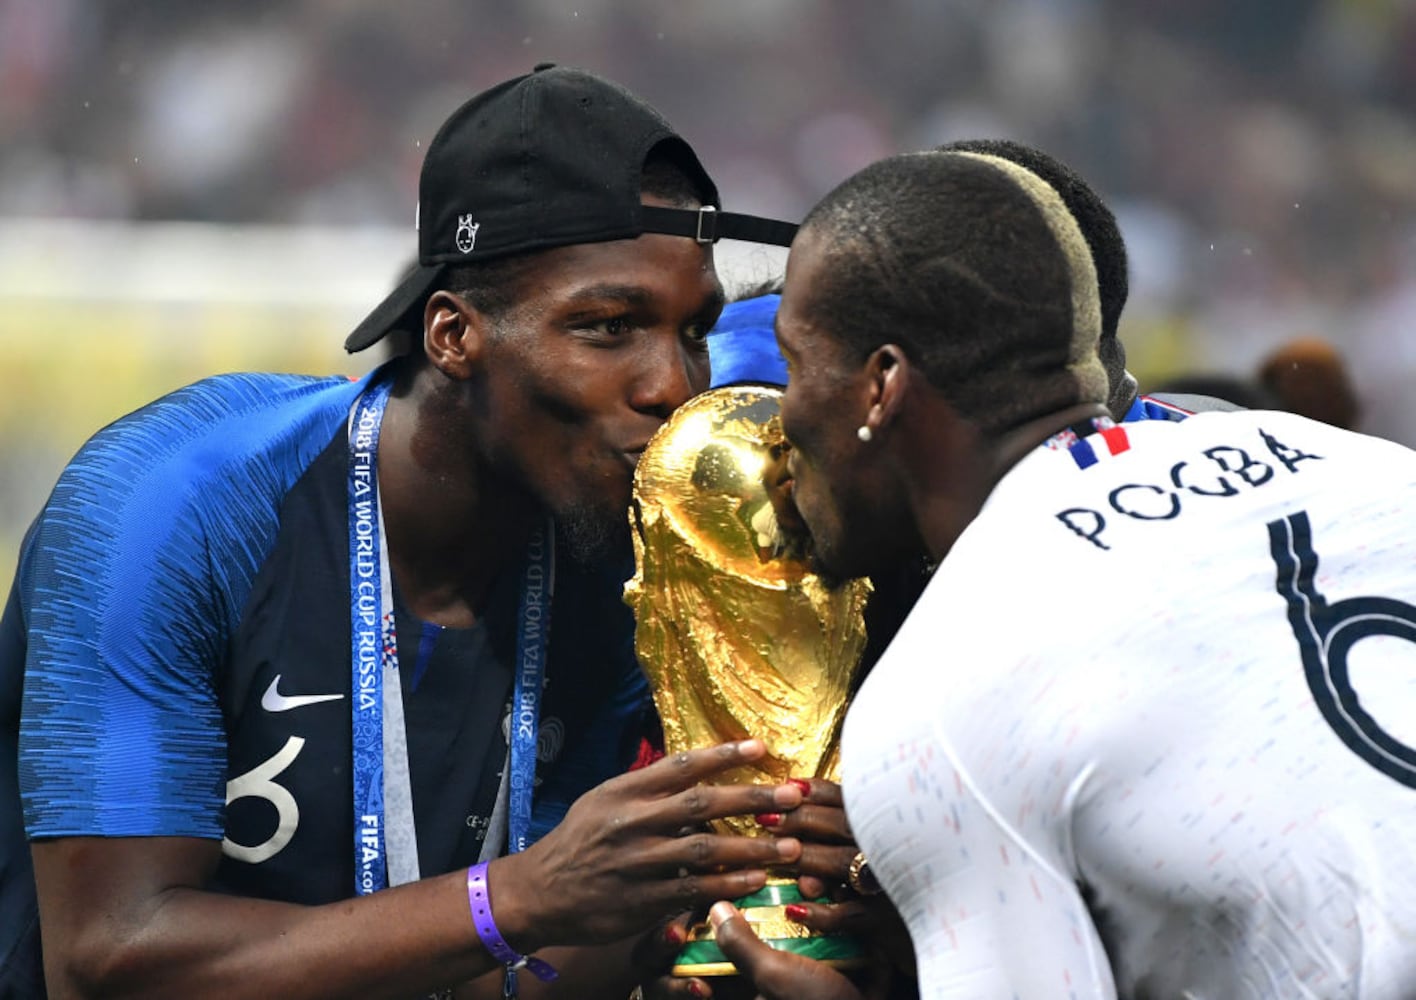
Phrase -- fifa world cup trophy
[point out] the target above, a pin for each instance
(737, 636)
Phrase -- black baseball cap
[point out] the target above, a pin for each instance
(544, 160)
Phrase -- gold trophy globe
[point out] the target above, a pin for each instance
(737, 636)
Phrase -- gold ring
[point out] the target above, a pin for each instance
(860, 878)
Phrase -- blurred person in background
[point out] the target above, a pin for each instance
(1308, 376)
(1244, 393)
(1182, 788)
(277, 643)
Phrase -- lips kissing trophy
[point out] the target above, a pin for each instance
(737, 636)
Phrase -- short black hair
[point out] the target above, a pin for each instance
(1093, 218)
(494, 286)
(974, 267)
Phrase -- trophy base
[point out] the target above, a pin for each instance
(765, 912)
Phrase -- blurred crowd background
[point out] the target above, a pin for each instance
(188, 187)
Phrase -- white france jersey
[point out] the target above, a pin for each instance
(1151, 729)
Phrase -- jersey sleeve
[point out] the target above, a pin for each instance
(120, 732)
(958, 793)
(133, 582)
(998, 917)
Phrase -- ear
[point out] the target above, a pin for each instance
(888, 373)
(455, 334)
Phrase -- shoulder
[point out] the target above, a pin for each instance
(165, 515)
(205, 451)
(131, 588)
(204, 427)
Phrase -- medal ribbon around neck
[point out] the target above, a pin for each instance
(385, 836)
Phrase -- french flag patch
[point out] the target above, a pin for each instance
(1107, 441)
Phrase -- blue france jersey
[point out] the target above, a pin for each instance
(175, 661)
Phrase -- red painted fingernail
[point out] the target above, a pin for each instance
(674, 935)
(796, 913)
(769, 819)
(697, 989)
(801, 783)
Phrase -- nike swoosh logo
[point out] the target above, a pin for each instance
(274, 701)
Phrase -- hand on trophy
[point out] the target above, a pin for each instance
(782, 975)
(828, 846)
(617, 862)
(824, 871)
(654, 956)
(764, 972)
(832, 866)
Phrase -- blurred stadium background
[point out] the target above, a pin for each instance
(187, 188)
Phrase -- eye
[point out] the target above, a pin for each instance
(612, 327)
(697, 332)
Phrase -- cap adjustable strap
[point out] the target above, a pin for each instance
(708, 225)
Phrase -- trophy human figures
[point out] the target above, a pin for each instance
(737, 636)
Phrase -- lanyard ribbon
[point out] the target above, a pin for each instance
(534, 621)
(385, 836)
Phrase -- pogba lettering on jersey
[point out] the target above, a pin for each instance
(1216, 473)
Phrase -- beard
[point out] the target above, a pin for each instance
(830, 578)
(808, 547)
(595, 535)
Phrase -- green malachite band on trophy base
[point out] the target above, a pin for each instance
(702, 956)
(775, 894)
(699, 957)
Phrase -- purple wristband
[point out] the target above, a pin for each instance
(480, 902)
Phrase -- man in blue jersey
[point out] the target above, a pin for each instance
(278, 643)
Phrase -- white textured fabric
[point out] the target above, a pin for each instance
(1138, 719)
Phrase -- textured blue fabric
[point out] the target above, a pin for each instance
(742, 346)
(133, 583)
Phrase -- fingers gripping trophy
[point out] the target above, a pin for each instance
(737, 636)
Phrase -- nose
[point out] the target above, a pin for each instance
(671, 375)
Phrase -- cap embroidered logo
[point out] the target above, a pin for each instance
(467, 233)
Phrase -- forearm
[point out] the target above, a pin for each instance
(126, 916)
(402, 942)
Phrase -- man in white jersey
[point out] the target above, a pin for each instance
(1149, 731)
